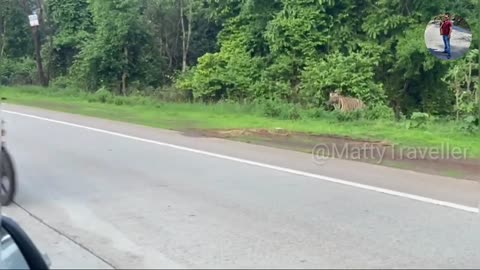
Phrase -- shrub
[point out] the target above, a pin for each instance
(470, 124)
(291, 113)
(354, 74)
(139, 100)
(379, 111)
(349, 116)
(271, 108)
(276, 109)
(103, 95)
(91, 98)
(172, 94)
(73, 92)
(60, 82)
(419, 119)
(118, 100)
(17, 71)
(315, 113)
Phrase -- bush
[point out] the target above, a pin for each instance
(60, 82)
(73, 92)
(379, 111)
(419, 120)
(172, 94)
(139, 100)
(315, 113)
(349, 116)
(103, 95)
(91, 98)
(271, 108)
(292, 113)
(17, 71)
(470, 124)
(354, 74)
(276, 109)
(118, 100)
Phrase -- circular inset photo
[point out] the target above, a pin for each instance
(448, 36)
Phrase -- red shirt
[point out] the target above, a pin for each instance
(445, 28)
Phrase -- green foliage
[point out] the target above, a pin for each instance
(73, 26)
(274, 82)
(317, 113)
(15, 34)
(277, 109)
(299, 29)
(18, 71)
(121, 100)
(463, 83)
(120, 47)
(290, 52)
(228, 74)
(206, 80)
(103, 95)
(353, 74)
(61, 82)
(349, 116)
(379, 111)
(470, 124)
(419, 120)
(174, 93)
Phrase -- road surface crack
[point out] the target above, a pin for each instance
(59, 232)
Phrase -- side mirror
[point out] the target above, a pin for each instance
(17, 249)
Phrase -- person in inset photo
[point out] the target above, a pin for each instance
(446, 28)
(455, 36)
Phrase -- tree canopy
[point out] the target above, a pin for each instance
(292, 51)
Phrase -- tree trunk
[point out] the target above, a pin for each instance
(4, 31)
(185, 52)
(469, 76)
(457, 96)
(477, 98)
(398, 100)
(168, 53)
(38, 56)
(458, 111)
(49, 63)
(41, 16)
(184, 38)
(124, 83)
(189, 34)
(36, 39)
(125, 73)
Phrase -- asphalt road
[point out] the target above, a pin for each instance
(92, 198)
(460, 41)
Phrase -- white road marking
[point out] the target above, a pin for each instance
(263, 165)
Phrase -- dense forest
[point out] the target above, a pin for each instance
(286, 51)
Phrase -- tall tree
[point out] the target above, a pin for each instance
(15, 36)
(36, 7)
(119, 51)
(72, 26)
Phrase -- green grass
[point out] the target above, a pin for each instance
(145, 111)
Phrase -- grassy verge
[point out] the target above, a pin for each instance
(145, 111)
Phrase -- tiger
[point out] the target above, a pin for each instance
(345, 104)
